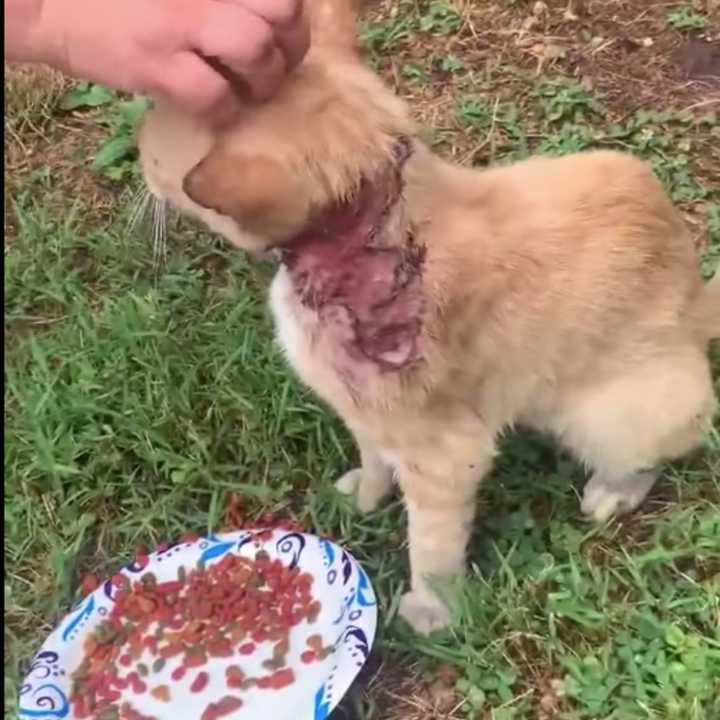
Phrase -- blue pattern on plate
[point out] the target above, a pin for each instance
(346, 567)
(216, 551)
(47, 700)
(365, 594)
(291, 544)
(79, 619)
(322, 708)
(328, 552)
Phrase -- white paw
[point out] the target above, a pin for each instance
(603, 498)
(424, 612)
(349, 483)
(353, 483)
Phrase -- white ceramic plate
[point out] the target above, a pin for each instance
(347, 621)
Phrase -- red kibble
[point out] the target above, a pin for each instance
(178, 673)
(166, 588)
(189, 537)
(282, 678)
(220, 648)
(89, 584)
(161, 692)
(195, 658)
(225, 706)
(138, 687)
(247, 649)
(125, 660)
(308, 656)
(259, 636)
(120, 683)
(200, 682)
(168, 651)
(235, 683)
(80, 710)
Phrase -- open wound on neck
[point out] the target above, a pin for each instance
(348, 259)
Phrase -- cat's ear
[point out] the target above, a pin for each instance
(333, 25)
(255, 190)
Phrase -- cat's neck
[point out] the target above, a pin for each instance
(360, 261)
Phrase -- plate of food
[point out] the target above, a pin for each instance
(238, 626)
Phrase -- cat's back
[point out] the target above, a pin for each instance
(562, 252)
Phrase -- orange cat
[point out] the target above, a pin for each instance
(434, 306)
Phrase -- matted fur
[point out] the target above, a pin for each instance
(559, 293)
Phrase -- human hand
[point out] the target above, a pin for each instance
(159, 46)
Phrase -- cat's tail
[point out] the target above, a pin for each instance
(710, 307)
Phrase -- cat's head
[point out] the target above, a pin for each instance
(262, 180)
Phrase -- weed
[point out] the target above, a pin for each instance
(567, 101)
(441, 18)
(686, 18)
(117, 156)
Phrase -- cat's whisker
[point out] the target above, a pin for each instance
(159, 231)
(140, 203)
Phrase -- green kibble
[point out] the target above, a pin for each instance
(158, 665)
(142, 669)
(105, 633)
(148, 578)
(182, 574)
(111, 712)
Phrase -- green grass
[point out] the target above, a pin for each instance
(137, 402)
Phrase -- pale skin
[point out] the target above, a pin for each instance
(159, 46)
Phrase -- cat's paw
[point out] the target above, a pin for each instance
(366, 497)
(424, 612)
(603, 497)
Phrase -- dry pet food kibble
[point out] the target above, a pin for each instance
(233, 608)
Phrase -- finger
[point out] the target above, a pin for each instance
(289, 24)
(244, 44)
(281, 13)
(294, 42)
(265, 78)
(191, 83)
(234, 35)
(253, 83)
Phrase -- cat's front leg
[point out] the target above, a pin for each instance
(370, 482)
(440, 498)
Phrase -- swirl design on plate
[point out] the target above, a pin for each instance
(328, 552)
(291, 544)
(43, 665)
(346, 567)
(46, 702)
(365, 594)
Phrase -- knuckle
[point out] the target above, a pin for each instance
(264, 42)
(287, 12)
